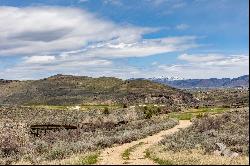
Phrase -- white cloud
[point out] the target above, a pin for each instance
(39, 67)
(69, 40)
(33, 30)
(200, 58)
(231, 61)
(216, 60)
(82, 1)
(113, 2)
(182, 26)
(50, 30)
(207, 66)
(62, 62)
(157, 2)
(226, 66)
(39, 59)
(154, 63)
(141, 48)
(179, 5)
(171, 4)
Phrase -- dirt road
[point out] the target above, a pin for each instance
(113, 156)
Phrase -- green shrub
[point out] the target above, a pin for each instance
(199, 115)
(90, 159)
(40, 146)
(158, 110)
(59, 150)
(124, 106)
(55, 154)
(157, 160)
(150, 111)
(106, 111)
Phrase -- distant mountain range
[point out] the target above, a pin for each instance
(242, 81)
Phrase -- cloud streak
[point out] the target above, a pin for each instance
(210, 65)
(48, 29)
(182, 26)
(39, 59)
(201, 58)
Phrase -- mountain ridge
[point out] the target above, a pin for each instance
(242, 81)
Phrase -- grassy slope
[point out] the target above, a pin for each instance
(71, 90)
(193, 113)
(195, 145)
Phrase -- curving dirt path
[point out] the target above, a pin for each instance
(112, 156)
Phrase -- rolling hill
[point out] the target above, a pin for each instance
(71, 90)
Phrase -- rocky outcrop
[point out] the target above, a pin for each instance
(224, 151)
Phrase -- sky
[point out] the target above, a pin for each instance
(124, 38)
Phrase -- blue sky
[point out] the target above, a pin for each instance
(124, 38)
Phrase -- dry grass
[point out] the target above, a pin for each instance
(230, 128)
(36, 115)
(66, 143)
(76, 159)
(196, 113)
(14, 141)
(196, 144)
(192, 157)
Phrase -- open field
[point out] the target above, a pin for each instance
(196, 113)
